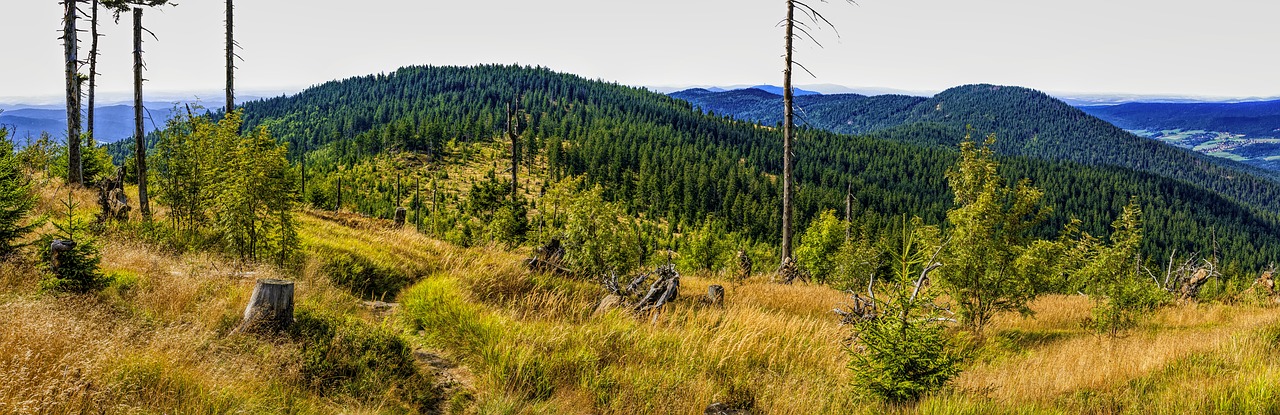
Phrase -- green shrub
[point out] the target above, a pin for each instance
(819, 245)
(345, 356)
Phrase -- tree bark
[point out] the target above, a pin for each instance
(140, 139)
(71, 46)
(270, 306)
(231, 56)
(788, 132)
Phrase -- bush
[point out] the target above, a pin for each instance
(349, 357)
(706, 248)
(819, 244)
(598, 236)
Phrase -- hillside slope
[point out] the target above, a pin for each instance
(664, 159)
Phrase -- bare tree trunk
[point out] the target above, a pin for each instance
(93, 77)
(788, 133)
(848, 212)
(231, 56)
(140, 139)
(71, 46)
(513, 125)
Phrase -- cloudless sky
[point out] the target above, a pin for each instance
(1208, 48)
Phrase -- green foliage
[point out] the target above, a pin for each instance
(75, 270)
(990, 233)
(598, 236)
(903, 352)
(706, 248)
(16, 199)
(1121, 294)
(345, 356)
(238, 187)
(820, 245)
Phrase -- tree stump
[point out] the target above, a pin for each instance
(715, 295)
(400, 216)
(270, 307)
(57, 248)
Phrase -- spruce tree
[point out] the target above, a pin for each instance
(16, 198)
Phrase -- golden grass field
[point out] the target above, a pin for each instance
(500, 339)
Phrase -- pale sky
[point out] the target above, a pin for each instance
(1225, 48)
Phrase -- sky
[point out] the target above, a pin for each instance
(1218, 48)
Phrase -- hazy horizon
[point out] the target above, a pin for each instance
(1139, 47)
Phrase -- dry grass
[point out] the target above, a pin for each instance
(156, 342)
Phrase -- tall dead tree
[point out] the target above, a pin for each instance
(139, 133)
(513, 132)
(231, 58)
(794, 28)
(71, 49)
(93, 76)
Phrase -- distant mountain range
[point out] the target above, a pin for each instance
(114, 123)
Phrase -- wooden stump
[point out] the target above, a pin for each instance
(715, 295)
(270, 307)
(400, 216)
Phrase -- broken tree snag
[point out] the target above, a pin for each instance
(715, 295)
(791, 272)
(400, 216)
(547, 258)
(270, 307)
(744, 266)
(663, 290)
(112, 200)
(1191, 289)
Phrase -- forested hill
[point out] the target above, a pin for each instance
(664, 159)
(1027, 123)
(1251, 119)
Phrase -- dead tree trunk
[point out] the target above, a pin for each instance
(140, 139)
(513, 132)
(93, 78)
(270, 307)
(231, 56)
(71, 46)
(788, 135)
